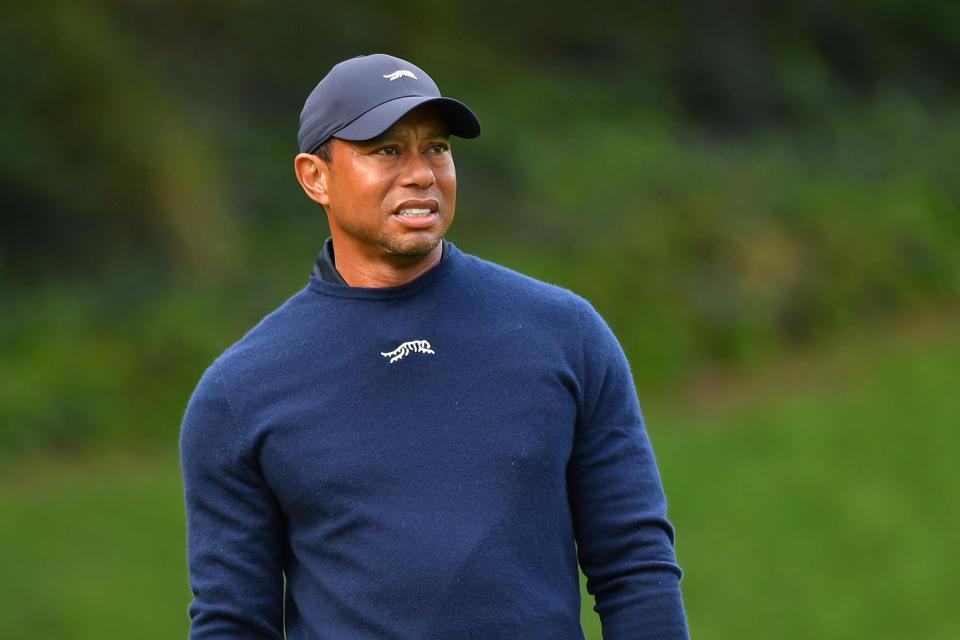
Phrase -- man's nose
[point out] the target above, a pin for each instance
(417, 171)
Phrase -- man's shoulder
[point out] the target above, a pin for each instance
(508, 281)
(275, 334)
(544, 299)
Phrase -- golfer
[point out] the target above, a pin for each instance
(419, 444)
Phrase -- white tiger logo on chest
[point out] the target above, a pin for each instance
(412, 346)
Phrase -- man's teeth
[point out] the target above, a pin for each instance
(414, 212)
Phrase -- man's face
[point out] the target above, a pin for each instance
(393, 195)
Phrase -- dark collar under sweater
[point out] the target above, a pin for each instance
(325, 266)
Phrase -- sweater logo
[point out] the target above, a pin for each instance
(412, 346)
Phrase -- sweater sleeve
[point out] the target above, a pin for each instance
(234, 524)
(624, 541)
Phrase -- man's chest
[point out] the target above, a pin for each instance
(418, 410)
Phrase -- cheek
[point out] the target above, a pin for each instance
(365, 194)
(447, 181)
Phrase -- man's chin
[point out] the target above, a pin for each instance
(413, 250)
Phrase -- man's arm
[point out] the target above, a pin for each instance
(234, 527)
(624, 541)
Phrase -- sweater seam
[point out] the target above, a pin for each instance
(226, 399)
(585, 402)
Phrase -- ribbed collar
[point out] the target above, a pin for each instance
(326, 280)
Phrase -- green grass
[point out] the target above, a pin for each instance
(93, 549)
(812, 499)
(823, 501)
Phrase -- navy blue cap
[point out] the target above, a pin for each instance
(362, 97)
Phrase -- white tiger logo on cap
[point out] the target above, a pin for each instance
(399, 73)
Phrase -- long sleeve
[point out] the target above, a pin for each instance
(625, 543)
(234, 526)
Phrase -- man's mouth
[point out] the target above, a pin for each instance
(417, 214)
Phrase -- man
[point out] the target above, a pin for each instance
(418, 444)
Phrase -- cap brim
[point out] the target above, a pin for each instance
(460, 119)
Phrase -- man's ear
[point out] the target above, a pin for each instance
(312, 173)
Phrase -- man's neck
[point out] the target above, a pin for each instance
(389, 271)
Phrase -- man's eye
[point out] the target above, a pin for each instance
(387, 151)
(439, 147)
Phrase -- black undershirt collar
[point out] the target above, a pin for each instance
(324, 268)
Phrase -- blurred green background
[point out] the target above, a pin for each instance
(761, 198)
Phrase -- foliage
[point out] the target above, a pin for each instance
(721, 184)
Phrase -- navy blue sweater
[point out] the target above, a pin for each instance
(425, 461)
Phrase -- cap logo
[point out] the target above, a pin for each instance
(399, 73)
